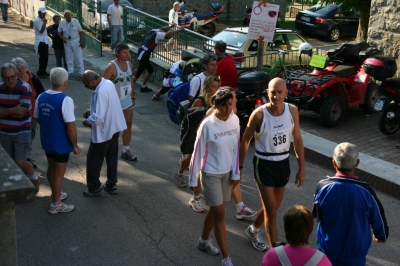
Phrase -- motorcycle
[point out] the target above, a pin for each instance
(382, 68)
(203, 22)
(246, 20)
(250, 95)
(343, 83)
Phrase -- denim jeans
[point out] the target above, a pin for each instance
(116, 36)
(4, 10)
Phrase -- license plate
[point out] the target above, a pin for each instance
(379, 104)
(305, 19)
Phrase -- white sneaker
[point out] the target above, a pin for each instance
(60, 207)
(255, 239)
(196, 205)
(207, 246)
(245, 212)
(227, 262)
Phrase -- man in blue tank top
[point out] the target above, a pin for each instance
(272, 125)
(54, 112)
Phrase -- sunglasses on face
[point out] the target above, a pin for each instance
(222, 92)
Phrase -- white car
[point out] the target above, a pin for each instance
(240, 46)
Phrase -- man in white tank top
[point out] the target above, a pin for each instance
(119, 71)
(272, 126)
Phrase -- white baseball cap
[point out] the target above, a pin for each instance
(42, 9)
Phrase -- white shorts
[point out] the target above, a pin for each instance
(217, 188)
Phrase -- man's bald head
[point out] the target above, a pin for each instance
(277, 83)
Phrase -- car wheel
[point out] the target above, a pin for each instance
(371, 95)
(332, 110)
(334, 34)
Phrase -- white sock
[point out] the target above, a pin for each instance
(254, 229)
(144, 86)
(34, 176)
(196, 197)
(125, 148)
(239, 206)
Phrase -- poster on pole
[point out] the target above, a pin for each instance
(263, 21)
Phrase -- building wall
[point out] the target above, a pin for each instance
(384, 28)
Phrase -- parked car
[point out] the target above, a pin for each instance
(92, 18)
(240, 46)
(330, 21)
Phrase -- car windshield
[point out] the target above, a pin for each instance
(231, 38)
(323, 9)
(106, 3)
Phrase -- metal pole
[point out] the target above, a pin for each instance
(260, 54)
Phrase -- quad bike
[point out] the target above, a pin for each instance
(202, 23)
(382, 68)
(343, 83)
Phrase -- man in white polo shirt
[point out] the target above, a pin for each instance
(70, 32)
(114, 17)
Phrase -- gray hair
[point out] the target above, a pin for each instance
(91, 75)
(58, 76)
(345, 155)
(8, 66)
(18, 61)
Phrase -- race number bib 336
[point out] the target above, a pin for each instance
(125, 91)
(278, 140)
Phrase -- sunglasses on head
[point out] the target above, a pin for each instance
(222, 92)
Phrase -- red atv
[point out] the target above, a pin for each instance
(343, 83)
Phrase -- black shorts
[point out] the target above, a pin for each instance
(59, 158)
(144, 64)
(271, 173)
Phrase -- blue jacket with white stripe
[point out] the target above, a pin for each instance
(346, 210)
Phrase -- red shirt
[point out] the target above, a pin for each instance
(226, 70)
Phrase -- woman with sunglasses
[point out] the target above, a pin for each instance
(217, 135)
(37, 88)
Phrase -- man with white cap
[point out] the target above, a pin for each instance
(41, 41)
(70, 32)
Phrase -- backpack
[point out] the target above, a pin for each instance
(184, 106)
(189, 126)
(177, 95)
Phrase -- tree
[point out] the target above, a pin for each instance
(364, 7)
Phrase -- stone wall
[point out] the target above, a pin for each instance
(384, 28)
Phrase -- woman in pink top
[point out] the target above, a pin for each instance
(298, 224)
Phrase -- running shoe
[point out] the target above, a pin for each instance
(110, 189)
(179, 180)
(196, 205)
(92, 193)
(145, 89)
(227, 262)
(156, 98)
(246, 212)
(128, 156)
(255, 239)
(207, 246)
(60, 207)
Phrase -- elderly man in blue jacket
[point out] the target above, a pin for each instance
(347, 209)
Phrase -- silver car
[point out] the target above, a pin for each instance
(245, 49)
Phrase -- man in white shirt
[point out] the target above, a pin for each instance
(114, 18)
(173, 19)
(70, 32)
(197, 82)
(106, 120)
(41, 42)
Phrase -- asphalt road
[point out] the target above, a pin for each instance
(148, 222)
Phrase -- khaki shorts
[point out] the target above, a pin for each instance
(217, 188)
(17, 146)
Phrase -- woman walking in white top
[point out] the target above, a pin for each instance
(217, 135)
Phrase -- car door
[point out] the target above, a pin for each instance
(348, 20)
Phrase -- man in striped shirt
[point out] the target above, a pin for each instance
(15, 120)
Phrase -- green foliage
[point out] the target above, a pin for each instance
(361, 5)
